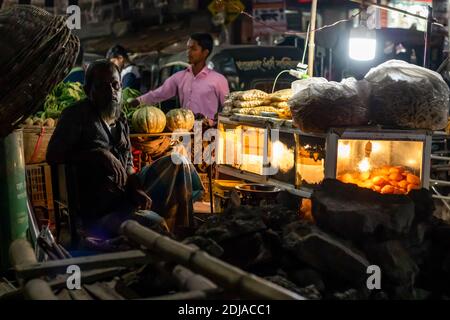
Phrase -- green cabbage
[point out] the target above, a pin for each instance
(62, 96)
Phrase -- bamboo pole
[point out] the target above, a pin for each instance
(222, 273)
(28, 270)
(312, 46)
(22, 253)
(189, 281)
(427, 49)
(38, 289)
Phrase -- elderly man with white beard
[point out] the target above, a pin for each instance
(93, 137)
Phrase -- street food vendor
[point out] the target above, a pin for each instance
(92, 136)
(199, 88)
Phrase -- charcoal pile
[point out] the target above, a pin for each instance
(354, 230)
(245, 238)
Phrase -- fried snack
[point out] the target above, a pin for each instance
(395, 176)
(281, 95)
(347, 178)
(403, 184)
(253, 94)
(248, 104)
(255, 110)
(385, 180)
(412, 187)
(228, 103)
(379, 181)
(376, 188)
(233, 95)
(387, 189)
(281, 105)
(413, 179)
(284, 114)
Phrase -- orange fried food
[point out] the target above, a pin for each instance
(387, 189)
(411, 187)
(413, 179)
(379, 181)
(395, 176)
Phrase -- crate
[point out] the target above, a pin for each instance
(39, 188)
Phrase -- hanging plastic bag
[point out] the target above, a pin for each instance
(408, 96)
(318, 104)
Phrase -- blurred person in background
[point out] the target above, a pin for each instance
(129, 72)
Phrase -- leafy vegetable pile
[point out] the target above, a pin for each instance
(129, 94)
(62, 96)
(65, 94)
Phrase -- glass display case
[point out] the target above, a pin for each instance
(276, 154)
(243, 147)
(282, 155)
(386, 161)
(310, 168)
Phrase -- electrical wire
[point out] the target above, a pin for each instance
(439, 24)
(306, 44)
(276, 79)
(307, 33)
(296, 33)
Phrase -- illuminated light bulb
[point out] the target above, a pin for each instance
(376, 147)
(362, 49)
(278, 148)
(344, 151)
(412, 162)
(362, 43)
(364, 165)
(282, 157)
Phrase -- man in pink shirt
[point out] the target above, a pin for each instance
(199, 88)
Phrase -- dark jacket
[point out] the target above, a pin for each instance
(80, 129)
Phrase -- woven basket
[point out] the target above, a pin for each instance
(155, 147)
(43, 52)
(35, 143)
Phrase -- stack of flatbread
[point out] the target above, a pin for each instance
(255, 102)
(279, 100)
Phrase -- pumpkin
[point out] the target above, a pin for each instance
(180, 119)
(148, 120)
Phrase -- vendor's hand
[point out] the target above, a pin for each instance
(199, 116)
(134, 103)
(210, 123)
(137, 196)
(141, 199)
(112, 165)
